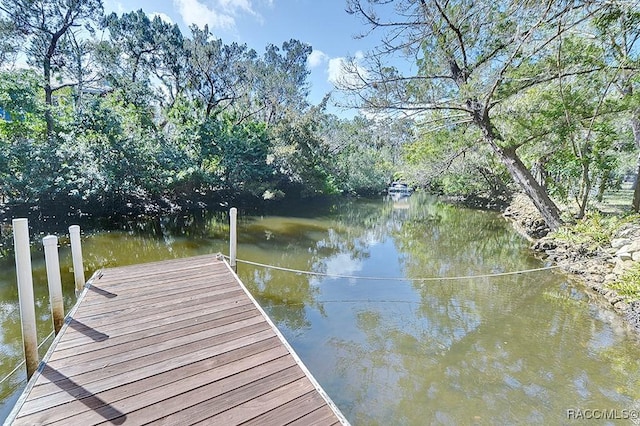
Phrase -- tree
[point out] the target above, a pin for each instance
(9, 41)
(618, 27)
(20, 135)
(241, 151)
(171, 62)
(451, 162)
(472, 58)
(140, 49)
(569, 123)
(48, 25)
(366, 154)
(280, 80)
(217, 72)
(299, 153)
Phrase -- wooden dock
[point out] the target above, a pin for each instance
(177, 342)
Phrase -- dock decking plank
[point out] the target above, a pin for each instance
(182, 408)
(254, 407)
(159, 387)
(129, 366)
(138, 330)
(155, 375)
(110, 348)
(153, 315)
(109, 379)
(173, 342)
(131, 302)
(290, 411)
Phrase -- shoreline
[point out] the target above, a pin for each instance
(594, 265)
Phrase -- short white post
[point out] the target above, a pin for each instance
(52, 261)
(25, 294)
(76, 254)
(233, 237)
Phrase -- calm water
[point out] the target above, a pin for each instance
(404, 350)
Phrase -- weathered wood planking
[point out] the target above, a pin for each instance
(173, 342)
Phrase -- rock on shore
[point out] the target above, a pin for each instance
(596, 266)
(525, 218)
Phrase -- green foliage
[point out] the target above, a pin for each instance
(365, 154)
(10, 39)
(19, 94)
(147, 115)
(237, 154)
(450, 161)
(594, 229)
(22, 136)
(163, 116)
(280, 80)
(571, 127)
(628, 285)
(363, 170)
(301, 157)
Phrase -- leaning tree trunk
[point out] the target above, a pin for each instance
(523, 177)
(519, 172)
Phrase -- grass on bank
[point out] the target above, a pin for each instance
(628, 286)
(616, 201)
(599, 227)
(595, 229)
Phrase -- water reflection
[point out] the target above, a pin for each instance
(510, 349)
(506, 349)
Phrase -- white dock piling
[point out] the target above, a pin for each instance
(76, 253)
(25, 294)
(233, 237)
(52, 261)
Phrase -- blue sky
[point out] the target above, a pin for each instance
(323, 24)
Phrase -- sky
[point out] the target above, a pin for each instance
(323, 24)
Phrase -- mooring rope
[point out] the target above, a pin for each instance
(24, 361)
(361, 277)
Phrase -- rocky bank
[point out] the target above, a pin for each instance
(597, 266)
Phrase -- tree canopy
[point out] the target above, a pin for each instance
(477, 61)
(462, 97)
(124, 112)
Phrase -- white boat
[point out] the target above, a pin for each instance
(400, 188)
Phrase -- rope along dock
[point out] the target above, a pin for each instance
(420, 279)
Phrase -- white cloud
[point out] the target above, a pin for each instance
(162, 16)
(237, 7)
(114, 6)
(194, 12)
(336, 69)
(346, 72)
(232, 6)
(317, 58)
(343, 264)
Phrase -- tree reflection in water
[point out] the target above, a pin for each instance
(509, 349)
(517, 348)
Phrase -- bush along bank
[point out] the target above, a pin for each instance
(602, 251)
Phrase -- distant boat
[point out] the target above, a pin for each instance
(400, 189)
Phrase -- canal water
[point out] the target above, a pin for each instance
(438, 332)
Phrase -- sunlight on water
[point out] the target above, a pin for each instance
(409, 349)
